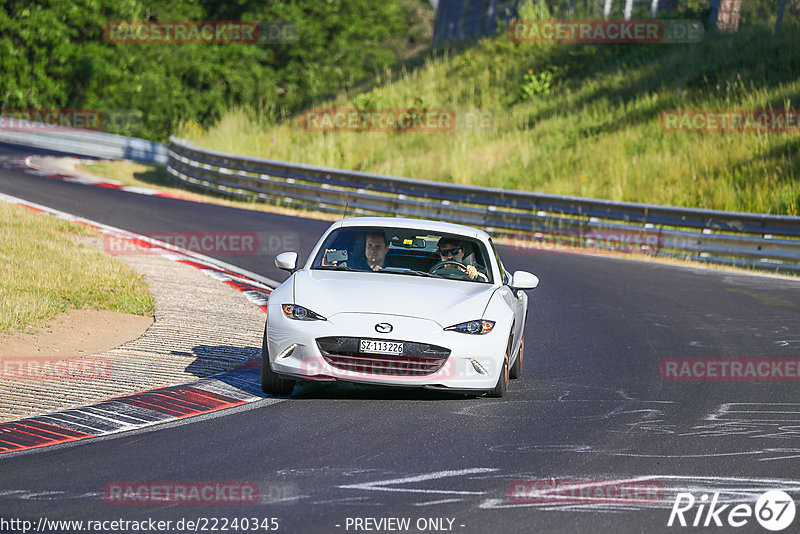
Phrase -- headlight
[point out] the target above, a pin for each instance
(299, 313)
(473, 327)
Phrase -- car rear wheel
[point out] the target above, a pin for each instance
(272, 384)
(501, 387)
(516, 369)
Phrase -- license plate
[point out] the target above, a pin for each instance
(376, 346)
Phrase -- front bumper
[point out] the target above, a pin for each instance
(471, 362)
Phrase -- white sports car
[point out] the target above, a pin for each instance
(397, 302)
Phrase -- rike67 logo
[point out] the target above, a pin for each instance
(774, 510)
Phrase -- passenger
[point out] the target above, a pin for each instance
(375, 248)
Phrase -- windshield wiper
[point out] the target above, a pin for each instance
(337, 268)
(395, 270)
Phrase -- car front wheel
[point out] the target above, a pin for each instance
(516, 369)
(271, 383)
(501, 387)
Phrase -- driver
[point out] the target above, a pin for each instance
(451, 249)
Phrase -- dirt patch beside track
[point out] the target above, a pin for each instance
(75, 332)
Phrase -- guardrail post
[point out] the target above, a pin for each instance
(779, 21)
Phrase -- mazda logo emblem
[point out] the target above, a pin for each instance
(383, 328)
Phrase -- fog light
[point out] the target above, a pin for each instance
(478, 367)
(288, 352)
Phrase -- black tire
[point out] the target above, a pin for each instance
(516, 369)
(272, 384)
(501, 388)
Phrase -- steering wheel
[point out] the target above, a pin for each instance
(460, 270)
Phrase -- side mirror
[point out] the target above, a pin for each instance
(524, 280)
(286, 261)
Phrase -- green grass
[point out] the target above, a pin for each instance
(131, 173)
(44, 271)
(594, 132)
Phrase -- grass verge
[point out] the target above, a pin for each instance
(572, 119)
(44, 271)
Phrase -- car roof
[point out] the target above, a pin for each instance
(421, 224)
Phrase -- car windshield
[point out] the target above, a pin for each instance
(404, 251)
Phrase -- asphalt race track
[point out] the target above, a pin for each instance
(591, 408)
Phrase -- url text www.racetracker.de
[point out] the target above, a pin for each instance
(177, 526)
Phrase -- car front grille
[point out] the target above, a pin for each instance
(418, 359)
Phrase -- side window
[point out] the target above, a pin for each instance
(503, 274)
(343, 239)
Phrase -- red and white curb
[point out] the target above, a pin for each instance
(28, 166)
(220, 391)
(131, 412)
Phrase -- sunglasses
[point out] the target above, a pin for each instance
(450, 251)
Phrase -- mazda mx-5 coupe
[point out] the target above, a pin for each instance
(397, 302)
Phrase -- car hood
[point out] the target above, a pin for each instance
(447, 302)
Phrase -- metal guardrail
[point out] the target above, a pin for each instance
(529, 219)
(85, 142)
